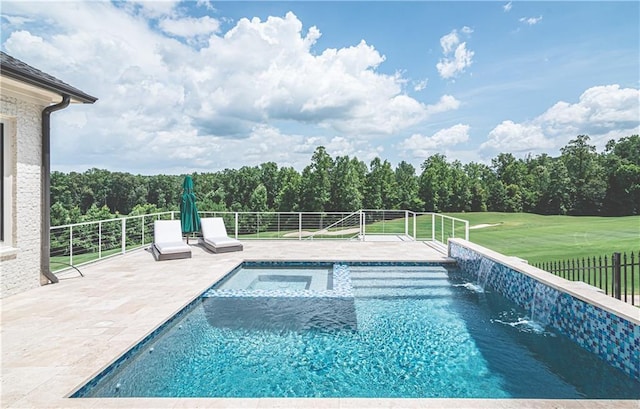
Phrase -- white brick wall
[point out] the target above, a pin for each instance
(20, 270)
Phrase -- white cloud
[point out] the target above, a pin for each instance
(152, 9)
(266, 141)
(205, 4)
(421, 146)
(420, 85)
(602, 112)
(512, 137)
(17, 21)
(456, 55)
(449, 41)
(599, 110)
(531, 20)
(446, 103)
(190, 27)
(507, 7)
(234, 90)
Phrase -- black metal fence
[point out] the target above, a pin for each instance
(617, 275)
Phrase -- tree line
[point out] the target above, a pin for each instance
(581, 181)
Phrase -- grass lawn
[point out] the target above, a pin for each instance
(539, 238)
(58, 263)
(532, 237)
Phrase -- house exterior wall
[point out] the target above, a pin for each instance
(20, 257)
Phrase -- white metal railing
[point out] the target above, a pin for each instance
(80, 243)
(350, 226)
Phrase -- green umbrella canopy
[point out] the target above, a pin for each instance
(189, 217)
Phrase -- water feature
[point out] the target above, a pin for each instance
(484, 272)
(540, 312)
(543, 303)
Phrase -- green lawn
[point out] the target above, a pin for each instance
(539, 238)
(58, 263)
(532, 237)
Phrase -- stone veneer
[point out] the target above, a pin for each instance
(601, 324)
(20, 256)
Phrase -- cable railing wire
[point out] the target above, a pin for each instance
(81, 243)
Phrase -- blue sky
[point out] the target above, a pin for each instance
(203, 86)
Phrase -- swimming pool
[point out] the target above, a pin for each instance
(414, 330)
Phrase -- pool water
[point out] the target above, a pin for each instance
(410, 332)
(249, 277)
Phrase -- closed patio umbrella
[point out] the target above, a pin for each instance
(189, 217)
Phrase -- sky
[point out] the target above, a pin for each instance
(201, 86)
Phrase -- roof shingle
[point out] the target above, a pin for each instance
(18, 70)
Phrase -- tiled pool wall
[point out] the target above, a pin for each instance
(612, 335)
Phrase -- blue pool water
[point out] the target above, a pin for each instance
(408, 331)
(296, 278)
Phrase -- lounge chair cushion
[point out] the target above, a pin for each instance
(222, 241)
(215, 237)
(171, 248)
(167, 240)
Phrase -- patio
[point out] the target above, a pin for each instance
(57, 337)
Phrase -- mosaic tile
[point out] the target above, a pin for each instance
(613, 338)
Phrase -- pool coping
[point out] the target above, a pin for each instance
(57, 337)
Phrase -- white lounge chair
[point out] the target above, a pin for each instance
(167, 241)
(215, 237)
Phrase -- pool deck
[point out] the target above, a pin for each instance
(56, 337)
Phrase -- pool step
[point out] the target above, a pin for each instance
(404, 282)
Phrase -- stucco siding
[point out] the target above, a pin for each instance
(20, 269)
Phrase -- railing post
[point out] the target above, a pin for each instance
(415, 229)
(406, 223)
(606, 275)
(633, 268)
(617, 293)
(100, 239)
(600, 272)
(466, 230)
(258, 225)
(433, 227)
(364, 226)
(299, 225)
(124, 235)
(236, 224)
(142, 221)
(453, 228)
(71, 245)
(624, 277)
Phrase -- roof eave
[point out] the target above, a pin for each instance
(76, 94)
